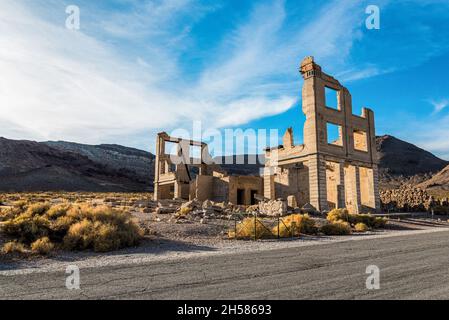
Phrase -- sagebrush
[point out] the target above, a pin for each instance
(337, 228)
(294, 225)
(44, 226)
(249, 228)
(369, 220)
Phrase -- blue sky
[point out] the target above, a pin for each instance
(137, 67)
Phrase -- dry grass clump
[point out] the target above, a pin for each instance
(339, 214)
(353, 219)
(337, 228)
(13, 247)
(183, 212)
(294, 225)
(42, 246)
(69, 226)
(361, 227)
(246, 229)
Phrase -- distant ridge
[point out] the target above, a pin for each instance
(64, 166)
(68, 166)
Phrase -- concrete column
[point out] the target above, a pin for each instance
(341, 185)
(177, 194)
(317, 183)
(160, 146)
(268, 183)
(376, 187)
(352, 188)
(357, 190)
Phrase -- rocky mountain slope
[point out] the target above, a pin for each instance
(67, 166)
(402, 162)
(438, 181)
(113, 156)
(34, 166)
(246, 165)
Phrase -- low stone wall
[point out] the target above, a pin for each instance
(411, 199)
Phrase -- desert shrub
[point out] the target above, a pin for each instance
(339, 214)
(80, 235)
(13, 247)
(57, 211)
(183, 212)
(295, 224)
(76, 227)
(42, 246)
(379, 222)
(368, 219)
(26, 227)
(20, 204)
(246, 228)
(336, 228)
(38, 209)
(7, 214)
(361, 227)
(103, 229)
(61, 225)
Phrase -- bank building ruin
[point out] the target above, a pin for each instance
(321, 172)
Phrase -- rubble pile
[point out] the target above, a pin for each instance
(198, 210)
(411, 199)
(204, 210)
(273, 207)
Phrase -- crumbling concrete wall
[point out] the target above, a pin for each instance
(322, 172)
(174, 180)
(340, 172)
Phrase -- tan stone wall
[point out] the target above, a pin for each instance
(333, 169)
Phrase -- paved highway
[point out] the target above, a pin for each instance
(411, 267)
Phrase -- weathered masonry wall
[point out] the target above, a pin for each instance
(327, 173)
(174, 178)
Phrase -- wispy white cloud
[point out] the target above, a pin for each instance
(60, 84)
(428, 132)
(439, 105)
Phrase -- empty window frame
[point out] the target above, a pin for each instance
(331, 98)
(253, 197)
(240, 196)
(360, 140)
(334, 134)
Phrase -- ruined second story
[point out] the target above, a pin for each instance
(356, 139)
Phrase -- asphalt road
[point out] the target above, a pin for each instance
(411, 267)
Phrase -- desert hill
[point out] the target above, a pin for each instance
(34, 166)
(67, 166)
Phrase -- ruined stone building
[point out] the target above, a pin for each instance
(326, 173)
(174, 177)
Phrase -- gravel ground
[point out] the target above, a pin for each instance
(184, 241)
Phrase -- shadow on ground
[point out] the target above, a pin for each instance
(148, 246)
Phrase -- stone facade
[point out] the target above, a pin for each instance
(326, 173)
(180, 176)
(322, 172)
